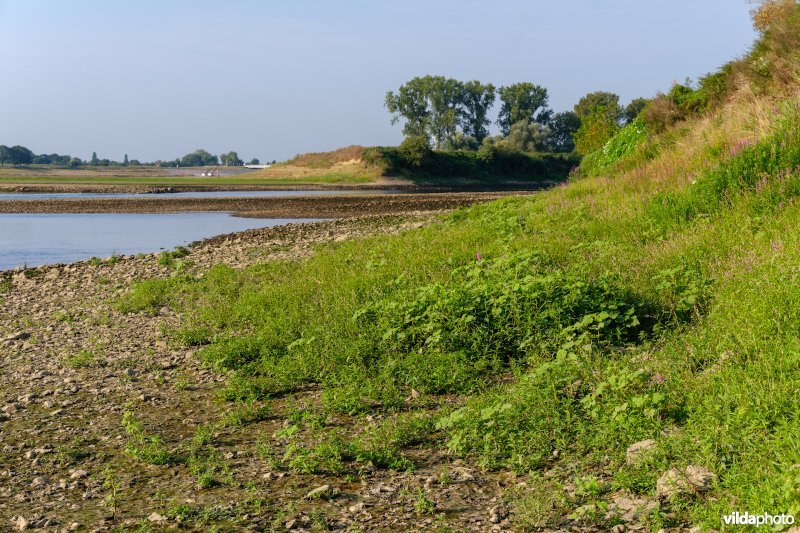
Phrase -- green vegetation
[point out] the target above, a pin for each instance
(488, 165)
(547, 334)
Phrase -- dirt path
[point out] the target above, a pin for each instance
(71, 366)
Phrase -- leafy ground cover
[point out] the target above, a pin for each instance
(545, 335)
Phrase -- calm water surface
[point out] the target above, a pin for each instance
(190, 194)
(40, 239)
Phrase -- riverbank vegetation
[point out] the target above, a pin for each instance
(651, 301)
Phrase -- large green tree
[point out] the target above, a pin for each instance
(522, 101)
(590, 103)
(430, 105)
(5, 154)
(445, 96)
(562, 128)
(410, 103)
(476, 100)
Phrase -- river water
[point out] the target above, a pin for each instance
(189, 194)
(40, 239)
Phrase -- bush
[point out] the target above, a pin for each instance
(661, 113)
(595, 131)
(415, 149)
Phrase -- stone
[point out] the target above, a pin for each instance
(157, 518)
(79, 474)
(39, 482)
(702, 479)
(638, 450)
(323, 491)
(20, 523)
(357, 508)
(18, 336)
(692, 479)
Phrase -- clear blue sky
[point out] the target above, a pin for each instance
(156, 79)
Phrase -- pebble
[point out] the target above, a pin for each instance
(79, 474)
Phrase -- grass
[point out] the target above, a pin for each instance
(548, 333)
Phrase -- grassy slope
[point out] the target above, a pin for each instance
(549, 333)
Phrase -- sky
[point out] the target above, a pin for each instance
(156, 79)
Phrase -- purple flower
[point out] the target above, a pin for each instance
(478, 256)
(659, 378)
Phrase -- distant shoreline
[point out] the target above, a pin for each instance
(260, 207)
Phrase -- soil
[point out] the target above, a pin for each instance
(266, 207)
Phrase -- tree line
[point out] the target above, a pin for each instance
(22, 156)
(454, 115)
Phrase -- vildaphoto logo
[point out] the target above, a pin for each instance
(747, 519)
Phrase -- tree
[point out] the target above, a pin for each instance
(254, 161)
(125, 161)
(75, 162)
(445, 99)
(522, 101)
(592, 101)
(562, 127)
(476, 100)
(94, 161)
(198, 158)
(527, 136)
(5, 154)
(430, 105)
(19, 155)
(633, 109)
(411, 104)
(231, 159)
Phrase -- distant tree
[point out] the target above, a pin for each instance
(476, 100)
(94, 161)
(562, 127)
(459, 141)
(254, 161)
(42, 159)
(410, 103)
(633, 109)
(198, 158)
(5, 154)
(527, 136)
(19, 155)
(522, 101)
(593, 101)
(445, 96)
(125, 161)
(231, 159)
(135, 162)
(75, 162)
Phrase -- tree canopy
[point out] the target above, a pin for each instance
(199, 158)
(522, 101)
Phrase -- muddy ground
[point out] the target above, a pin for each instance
(266, 207)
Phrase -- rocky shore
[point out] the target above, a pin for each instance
(71, 366)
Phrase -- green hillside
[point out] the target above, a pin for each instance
(656, 295)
